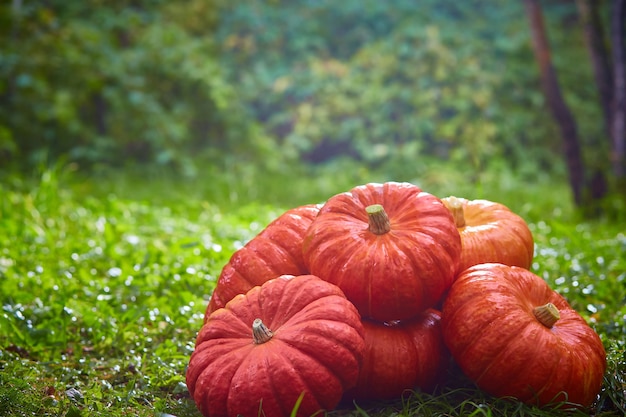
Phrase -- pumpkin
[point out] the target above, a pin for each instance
(514, 336)
(401, 356)
(276, 251)
(392, 248)
(490, 233)
(292, 340)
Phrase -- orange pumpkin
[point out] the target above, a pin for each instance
(514, 336)
(392, 248)
(490, 232)
(401, 356)
(276, 251)
(293, 340)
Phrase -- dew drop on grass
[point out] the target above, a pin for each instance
(100, 224)
(133, 239)
(114, 272)
(255, 226)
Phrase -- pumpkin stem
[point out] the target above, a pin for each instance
(547, 314)
(455, 205)
(378, 220)
(260, 332)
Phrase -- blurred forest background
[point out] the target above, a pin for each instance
(283, 88)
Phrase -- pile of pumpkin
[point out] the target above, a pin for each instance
(375, 293)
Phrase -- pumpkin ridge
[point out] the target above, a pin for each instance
(206, 397)
(286, 316)
(426, 204)
(285, 408)
(224, 293)
(279, 242)
(556, 369)
(522, 235)
(478, 334)
(277, 245)
(267, 304)
(348, 257)
(417, 255)
(497, 357)
(294, 339)
(297, 365)
(222, 325)
(410, 255)
(452, 249)
(313, 309)
(268, 257)
(259, 356)
(564, 365)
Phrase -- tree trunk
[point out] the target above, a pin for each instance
(556, 103)
(619, 87)
(588, 11)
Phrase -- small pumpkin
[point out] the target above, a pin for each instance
(293, 339)
(276, 251)
(514, 336)
(392, 248)
(490, 233)
(401, 356)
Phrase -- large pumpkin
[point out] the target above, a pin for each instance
(515, 336)
(276, 251)
(291, 339)
(392, 248)
(401, 356)
(490, 233)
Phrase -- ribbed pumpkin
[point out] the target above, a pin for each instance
(490, 233)
(392, 248)
(515, 336)
(276, 251)
(401, 356)
(291, 339)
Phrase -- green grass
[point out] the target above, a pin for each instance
(104, 280)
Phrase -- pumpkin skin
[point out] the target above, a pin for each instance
(401, 356)
(388, 275)
(275, 251)
(491, 233)
(492, 331)
(316, 349)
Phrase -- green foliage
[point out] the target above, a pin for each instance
(111, 83)
(389, 82)
(104, 281)
(275, 83)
